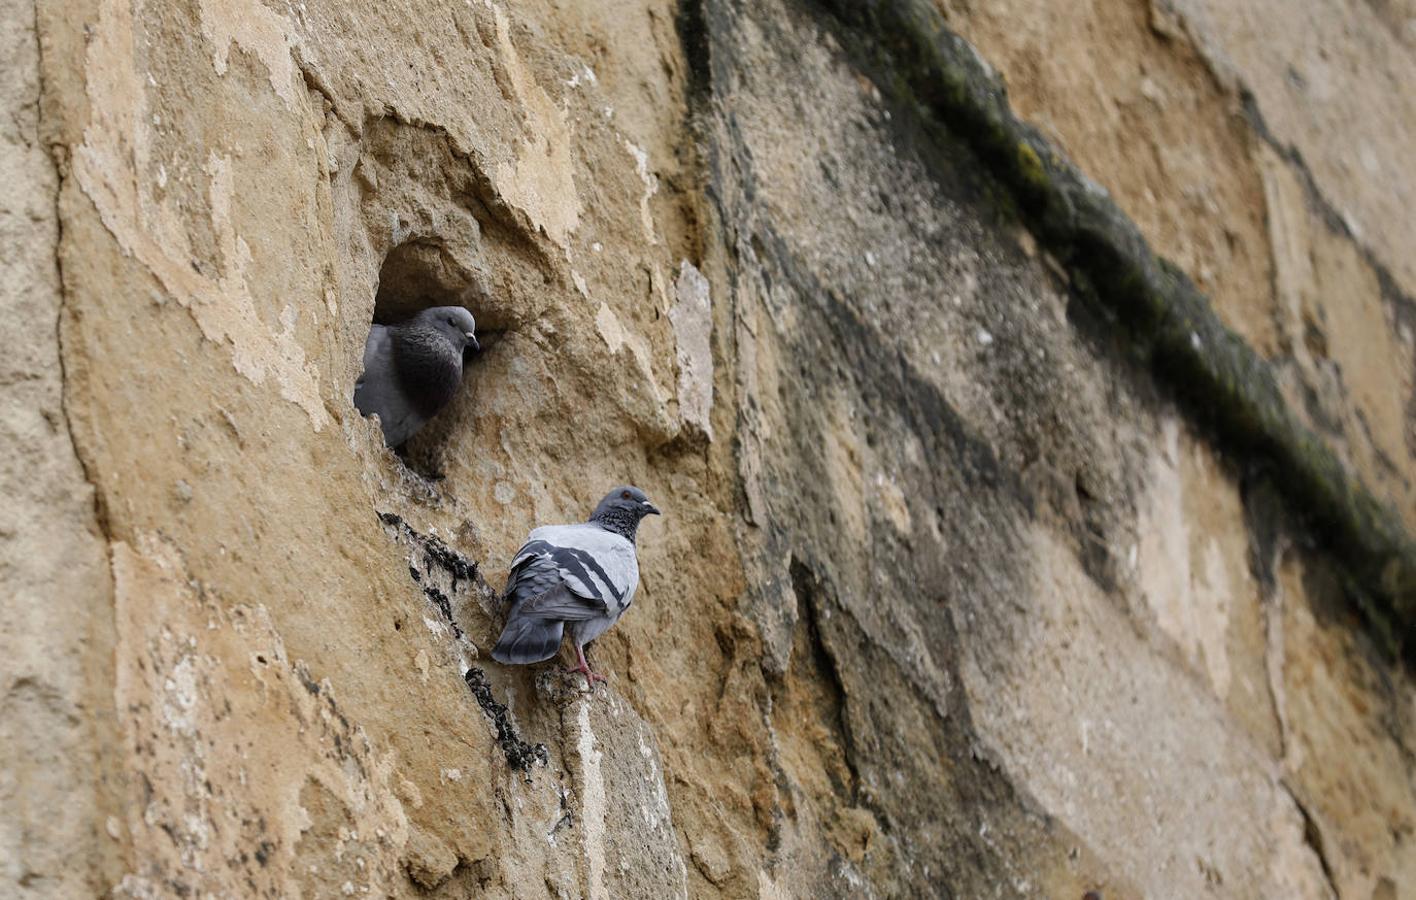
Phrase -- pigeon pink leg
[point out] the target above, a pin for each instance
(584, 669)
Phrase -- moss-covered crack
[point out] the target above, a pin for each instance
(1221, 382)
(520, 755)
(433, 553)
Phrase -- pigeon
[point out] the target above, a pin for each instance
(412, 369)
(582, 576)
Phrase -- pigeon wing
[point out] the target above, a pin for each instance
(593, 563)
(581, 575)
(541, 605)
(377, 390)
(561, 604)
(535, 625)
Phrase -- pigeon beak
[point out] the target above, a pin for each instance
(649, 508)
(472, 340)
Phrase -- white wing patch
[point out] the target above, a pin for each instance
(594, 563)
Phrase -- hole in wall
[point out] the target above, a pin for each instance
(409, 376)
(421, 273)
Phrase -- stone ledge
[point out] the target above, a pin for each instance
(1221, 383)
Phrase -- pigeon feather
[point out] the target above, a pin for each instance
(413, 369)
(581, 577)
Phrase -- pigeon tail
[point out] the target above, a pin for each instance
(528, 640)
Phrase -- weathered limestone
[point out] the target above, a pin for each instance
(951, 596)
(57, 718)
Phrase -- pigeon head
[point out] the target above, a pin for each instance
(622, 509)
(453, 322)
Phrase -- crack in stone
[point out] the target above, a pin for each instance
(1313, 837)
(435, 553)
(1403, 303)
(520, 755)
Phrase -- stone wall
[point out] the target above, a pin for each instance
(957, 592)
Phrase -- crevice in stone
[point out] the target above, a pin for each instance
(519, 754)
(435, 553)
(1401, 303)
(86, 465)
(808, 590)
(692, 26)
(420, 274)
(446, 237)
(1313, 837)
(422, 270)
(105, 730)
(316, 83)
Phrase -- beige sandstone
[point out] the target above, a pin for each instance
(948, 598)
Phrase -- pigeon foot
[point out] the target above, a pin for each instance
(591, 676)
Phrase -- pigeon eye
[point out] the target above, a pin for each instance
(624, 495)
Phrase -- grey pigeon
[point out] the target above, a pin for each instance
(412, 369)
(582, 575)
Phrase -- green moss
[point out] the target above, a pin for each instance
(1030, 167)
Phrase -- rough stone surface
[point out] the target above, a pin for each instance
(948, 598)
(1281, 194)
(57, 719)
